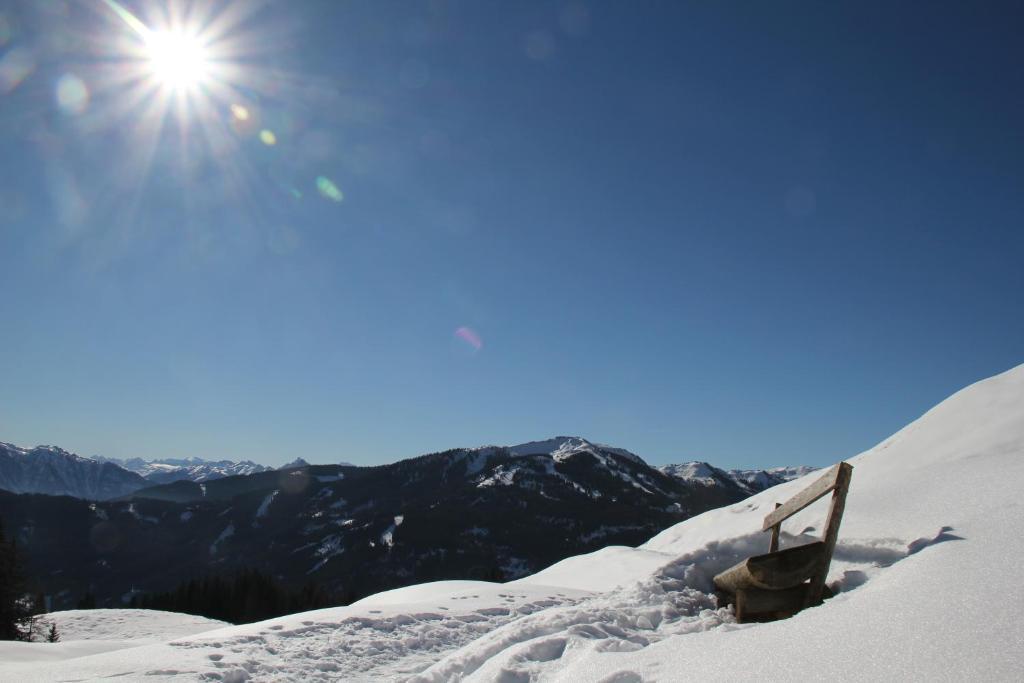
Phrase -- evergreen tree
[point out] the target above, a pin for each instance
(14, 614)
(53, 635)
(8, 630)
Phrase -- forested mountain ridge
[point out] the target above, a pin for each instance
(491, 512)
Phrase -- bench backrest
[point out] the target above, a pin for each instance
(836, 480)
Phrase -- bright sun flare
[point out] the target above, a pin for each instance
(177, 61)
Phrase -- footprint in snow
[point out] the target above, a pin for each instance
(623, 677)
(546, 650)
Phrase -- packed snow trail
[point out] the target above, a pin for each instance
(370, 640)
(618, 621)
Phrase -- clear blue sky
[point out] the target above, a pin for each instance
(750, 233)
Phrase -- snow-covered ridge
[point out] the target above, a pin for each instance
(41, 450)
(750, 481)
(542, 458)
(167, 470)
(563, 448)
(564, 445)
(926, 571)
(55, 471)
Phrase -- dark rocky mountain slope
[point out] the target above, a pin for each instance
(487, 513)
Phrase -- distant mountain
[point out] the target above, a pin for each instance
(297, 462)
(167, 470)
(750, 481)
(491, 512)
(759, 480)
(56, 472)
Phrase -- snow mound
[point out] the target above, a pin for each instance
(89, 632)
(128, 624)
(599, 571)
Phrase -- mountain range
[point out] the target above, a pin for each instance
(55, 471)
(751, 481)
(52, 470)
(491, 512)
(166, 470)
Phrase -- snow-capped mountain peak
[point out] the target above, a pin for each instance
(750, 481)
(559, 447)
(167, 470)
(55, 471)
(692, 471)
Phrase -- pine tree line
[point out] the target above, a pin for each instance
(241, 598)
(12, 610)
(18, 611)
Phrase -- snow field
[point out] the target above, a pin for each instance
(926, 569)
(89, 632)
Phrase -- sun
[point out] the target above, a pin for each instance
(177, 61)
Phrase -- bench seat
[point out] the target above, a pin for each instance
(773, 571)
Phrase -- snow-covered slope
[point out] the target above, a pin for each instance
(88, 632)
(167, 470)
(54, 471)
(750, 481)
(926, 567)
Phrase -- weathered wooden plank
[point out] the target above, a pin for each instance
(835, 516)
(758, 601)
(756, 604)
(773, 571)
(801, 500)
(773, 542)
(740, 606)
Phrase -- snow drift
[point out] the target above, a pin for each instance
(926, 568)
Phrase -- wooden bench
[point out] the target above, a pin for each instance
(780, 583)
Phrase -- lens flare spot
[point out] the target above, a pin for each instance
(268, 138)
(471, 337)
(294, 480)
(328, 190)
(239, 112)
(15, 66)
(72, 95)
